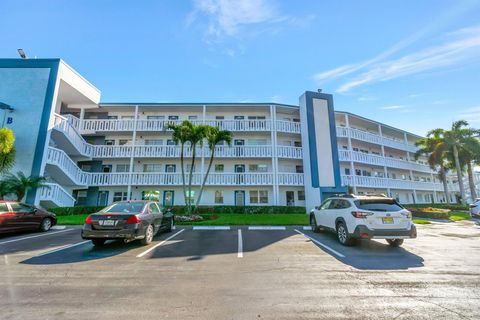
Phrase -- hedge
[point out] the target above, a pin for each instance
(431, 215)
(452, 206)
(67, 211)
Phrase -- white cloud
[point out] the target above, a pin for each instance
(367, 99)
(472, 115)
(227, 17)
(392, 108)
(464, 47)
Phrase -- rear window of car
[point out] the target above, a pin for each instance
(133, 207)
(378, 205)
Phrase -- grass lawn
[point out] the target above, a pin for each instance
(220, 219)
(421, 221)
(252, 219)
(459, 216)
(73, 219)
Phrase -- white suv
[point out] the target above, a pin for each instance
(475, 207)
(364, 217)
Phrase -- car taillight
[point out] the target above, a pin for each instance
(407, 214)
(133, 220)
(361, 214)
(88, 220)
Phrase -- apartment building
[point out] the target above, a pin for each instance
(95, 153)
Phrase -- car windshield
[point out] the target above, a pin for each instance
(378, 205)
(127, 207)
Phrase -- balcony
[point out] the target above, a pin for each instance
(54, 195)
(384, 183)
(366, 158)
(374, 138)
(119, 125)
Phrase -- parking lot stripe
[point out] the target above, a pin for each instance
(68, 246)
(240, 244)
(307, 228)
(266, 228)
(322, 245)
(35, 236)
(211, 228)
(159, 244)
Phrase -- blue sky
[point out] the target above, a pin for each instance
(411, 64)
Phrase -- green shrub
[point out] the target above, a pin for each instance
(70, 211)
(431, 215)
(452, 206)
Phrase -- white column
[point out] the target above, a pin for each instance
(273, 135)
(385, 170)
(134, 138)
(352, 166)
(411, 172)
(82, 116)
(202, 169)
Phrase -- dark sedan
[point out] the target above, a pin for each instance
(127, 220)
(15, 217)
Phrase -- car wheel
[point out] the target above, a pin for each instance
(313, 223)
(46, 224)
(148, 236)
(395, 242)
(98, 242)
(170, 225)
(343, 235)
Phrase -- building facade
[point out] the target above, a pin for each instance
(96, 153)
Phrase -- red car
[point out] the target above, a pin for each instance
(15, 216)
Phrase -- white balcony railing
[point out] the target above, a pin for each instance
(367, 158)
(57, 195)
(374, 138)
(384, 183)
(66, 125)
(60, 159)
(118, 125)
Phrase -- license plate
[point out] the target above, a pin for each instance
(387, 220)
(107, 223)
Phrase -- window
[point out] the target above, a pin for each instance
(170, 168)
(219, 168)
(156, 117)
(219, 117)
(153, 195)
(296, 120)
(126, 207)
(345, 147)
(152, 167)
(3, 207)
(153, 142)
(297, 144)
(299, 169)
(325, 204)
(378, 205)
(366, 173)
(192, 117)
(188, 167)
(172, 117)
(128, 117)
(190, 197)
(122, 168)
(301, 195)
(257, 142)
(219, 196)
(364, 151)
(258, 196)
(376, 153)
(112, 117)
(107, 168)
(257, 167)
(171, 142)
(358, 172)
(347, 171)
(86, 167)
(18, 207)
(355, 149)
(117, 196)
(109, 142)
(124, 142)
(256, 117)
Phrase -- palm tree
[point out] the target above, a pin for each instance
(469, 152)
(454, 140)
(20, 184)
(433, 147)
(196, 136)
(181, 134)
(214, 136)
(4, 189)
(7, 150)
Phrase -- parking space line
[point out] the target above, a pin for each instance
(322, 245)
(211, 228)
(68, 246)
(240, 244)
(159, 244)
(306, 228)
(36, 236)
(266, 228)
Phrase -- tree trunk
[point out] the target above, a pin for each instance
(473, 192)
(205, 179)
(444, 181)
(183, 170)
(459, 173)
(194, 147)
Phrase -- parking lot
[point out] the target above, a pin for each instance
(242, 273)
